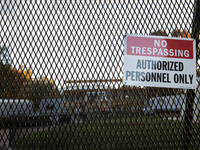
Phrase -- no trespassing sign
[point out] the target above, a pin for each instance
(158, 61)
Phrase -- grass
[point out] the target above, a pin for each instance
(21, 122)
(122, 133)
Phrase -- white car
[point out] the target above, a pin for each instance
(147, 111)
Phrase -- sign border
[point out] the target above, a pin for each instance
(192, 86)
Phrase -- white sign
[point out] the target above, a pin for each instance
(158, 61)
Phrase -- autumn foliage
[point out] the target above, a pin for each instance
(159, 33)
(18, 84)
(180, 33)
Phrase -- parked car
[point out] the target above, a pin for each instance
(15, 108)
(54, 108)
(147, 111)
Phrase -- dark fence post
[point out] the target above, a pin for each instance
(188, 117)
(190, 95)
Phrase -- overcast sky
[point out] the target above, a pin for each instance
(76, 41)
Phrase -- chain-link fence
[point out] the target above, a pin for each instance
(62, 76)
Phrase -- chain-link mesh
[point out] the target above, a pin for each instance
(61, 76)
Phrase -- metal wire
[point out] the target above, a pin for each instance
(61, 70)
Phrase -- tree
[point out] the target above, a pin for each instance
(6, 74)
(6, 80)
(41, 88)
(21, 83)
(4, 55)
(180, 33)
(159, 33)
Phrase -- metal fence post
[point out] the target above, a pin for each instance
(188, 117)
(190, 95)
